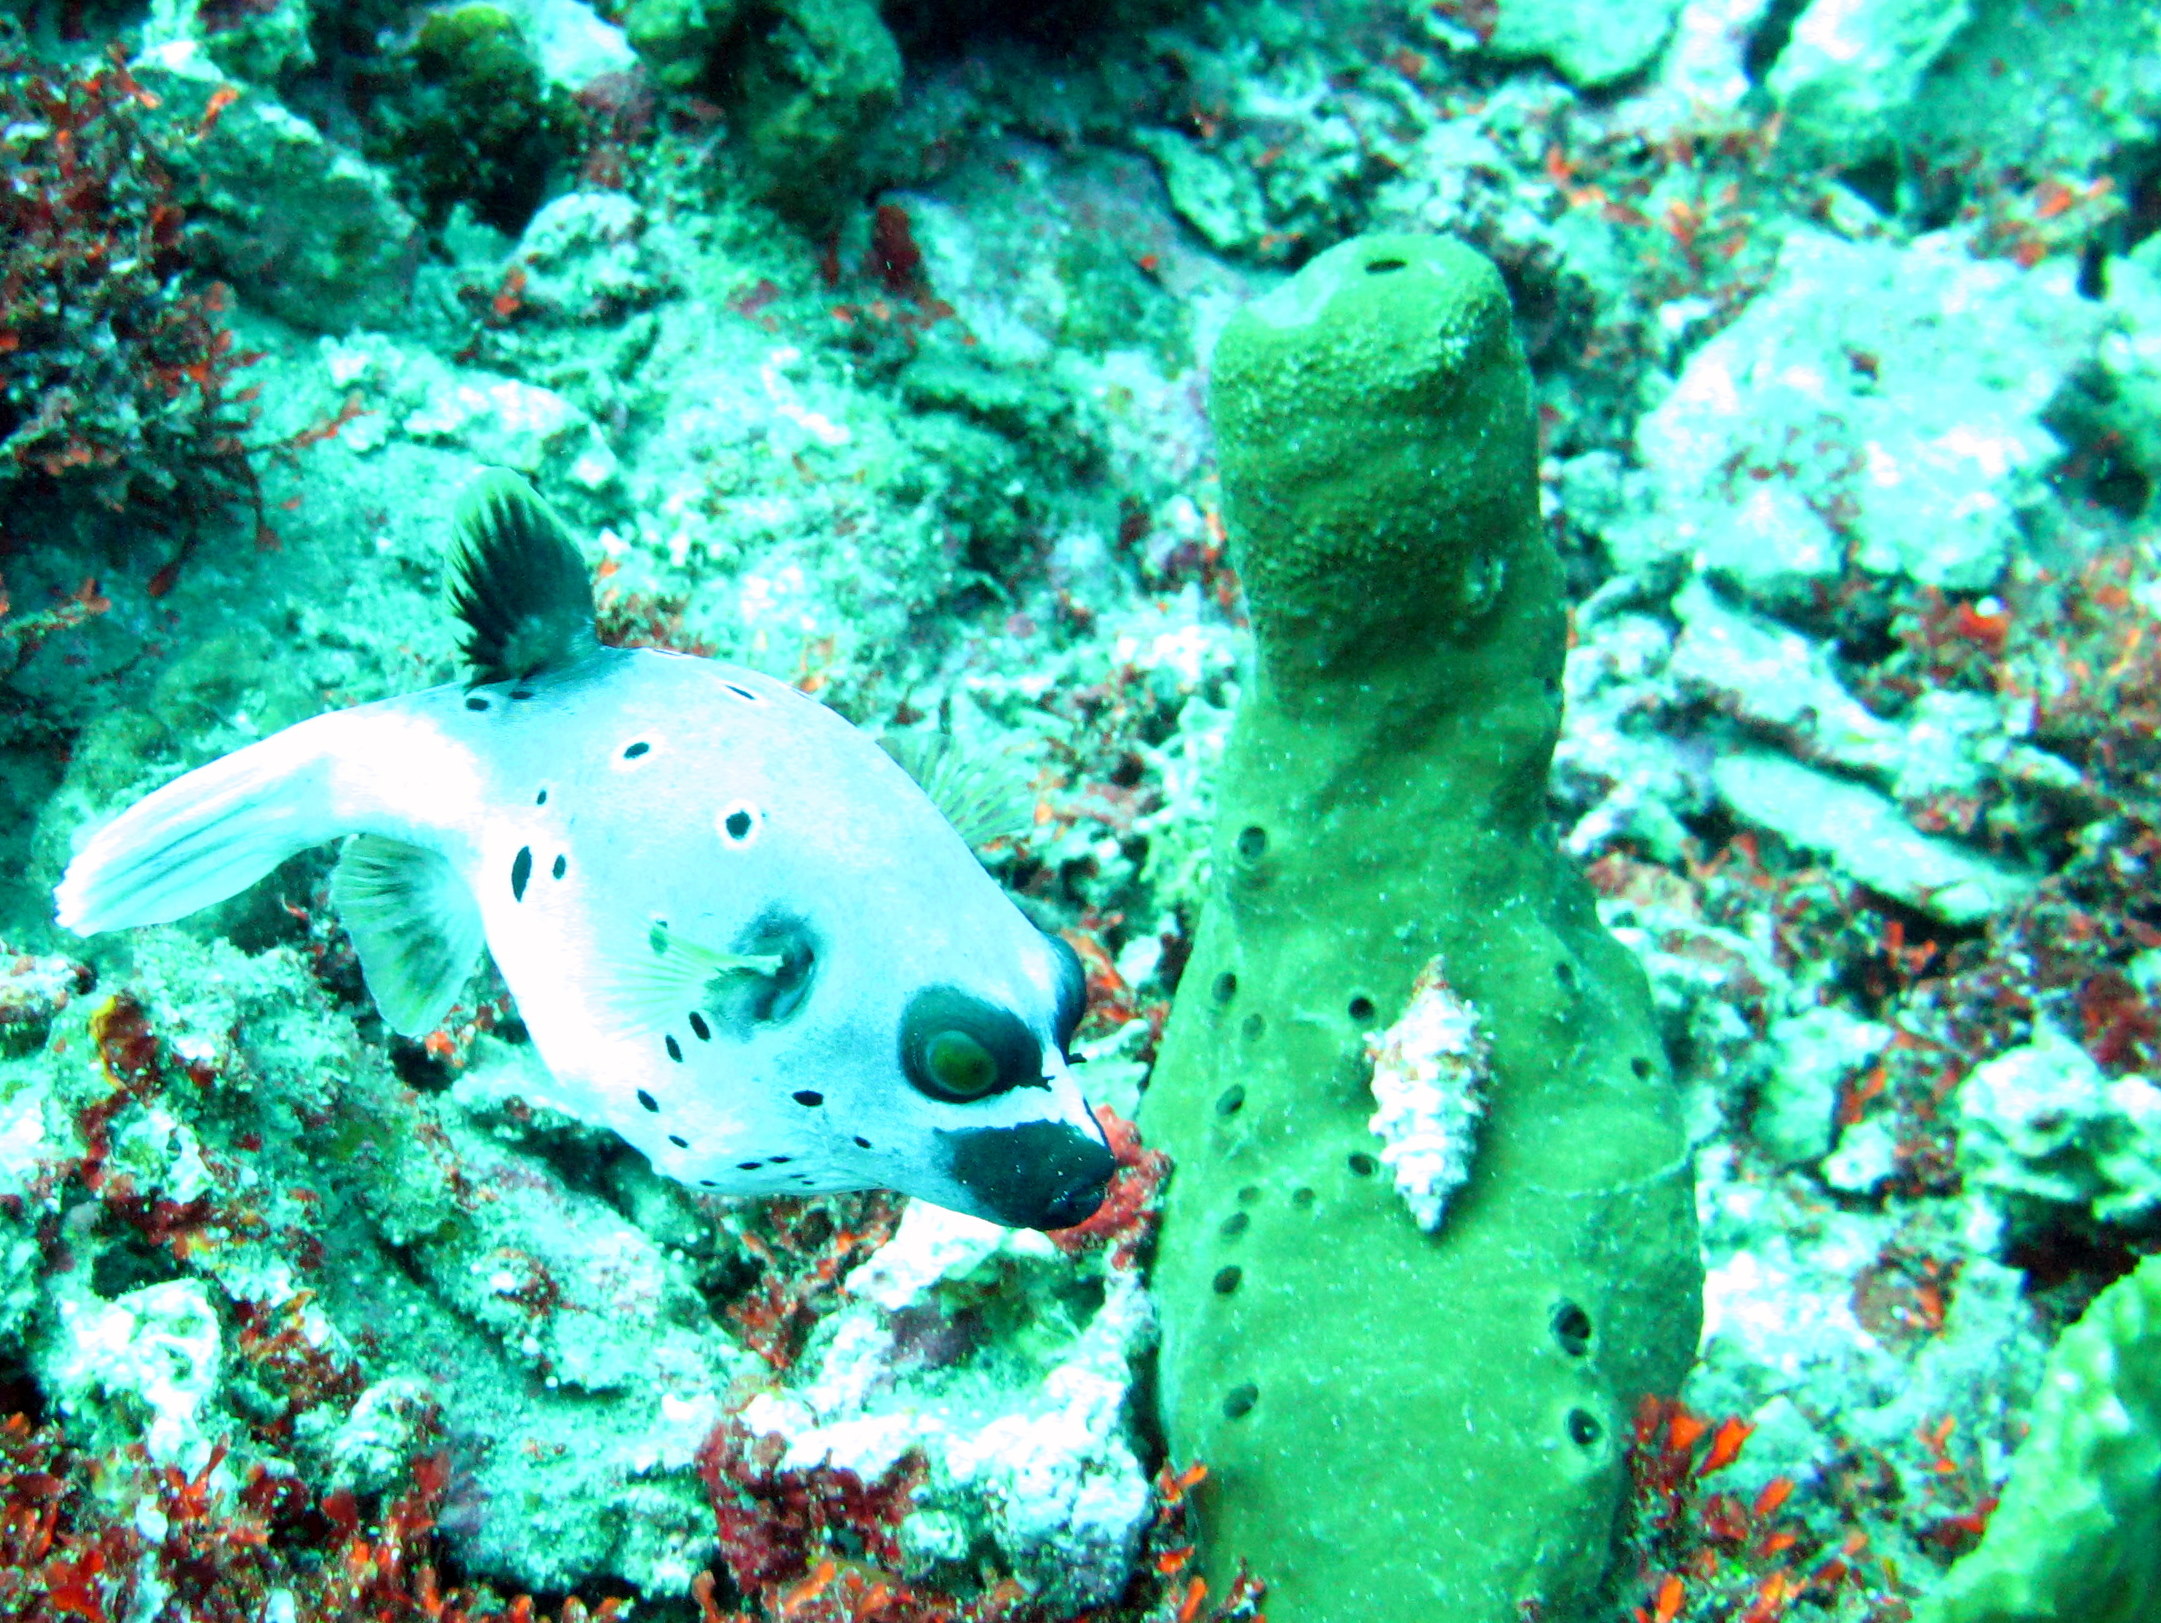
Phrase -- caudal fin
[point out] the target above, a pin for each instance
(202, 837)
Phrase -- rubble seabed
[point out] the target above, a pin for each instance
(868, 349)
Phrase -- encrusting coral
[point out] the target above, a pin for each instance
(1402, 1424)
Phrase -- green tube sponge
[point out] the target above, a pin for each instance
(1402, 1424)
(2078, 1534)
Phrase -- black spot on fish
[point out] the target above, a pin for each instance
(707, 1183)
(521, 693)
(861, 1142)
(636, 750)
(675, 1049)
(738, 824)
(541, 799)
(476, 702)
(748, 1166)
(646, 1099)
(561, 862)
(742, 693)
(679, 1143)
(521, 869)
(782, 1160)
(808, 1096)
(698, 1026)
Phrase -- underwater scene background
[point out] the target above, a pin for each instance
(1573, 587)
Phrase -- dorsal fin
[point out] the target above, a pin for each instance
(985, 797)
(518, 582)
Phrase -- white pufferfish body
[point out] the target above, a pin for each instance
(740, 934)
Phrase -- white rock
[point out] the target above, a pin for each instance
(1851, 67)
(1865, 836)
(157, 1349)
(932, 1245)
(2043, 1121)
(1591, 45)
(574, 46)
(1890, 395)
(1865, 1160)
(1776, 680)
(1815, 1052)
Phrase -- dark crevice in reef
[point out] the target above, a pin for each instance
(1768, 42)
(928, 30)
(19, 1390)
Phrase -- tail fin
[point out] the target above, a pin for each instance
(203, 836)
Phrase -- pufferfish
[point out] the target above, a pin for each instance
(740, 934)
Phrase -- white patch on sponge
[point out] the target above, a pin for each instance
(1429, 1080)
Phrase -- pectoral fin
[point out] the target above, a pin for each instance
(670, 975)
(415, 925)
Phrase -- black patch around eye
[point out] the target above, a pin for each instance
(1037, 1175)
(476, 702)
(646, 1099)
(946, 1012)
(521, 869)
(808, 1096)
(636, 750)
(679, 1143)
(699, 1029)
(738, 823)
(675, 1049)
(561, 864)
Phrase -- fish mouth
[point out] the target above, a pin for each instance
(1037, 1175)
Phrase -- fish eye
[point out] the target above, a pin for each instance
(960, 1065)
(957, 1048)
(1072, 990)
